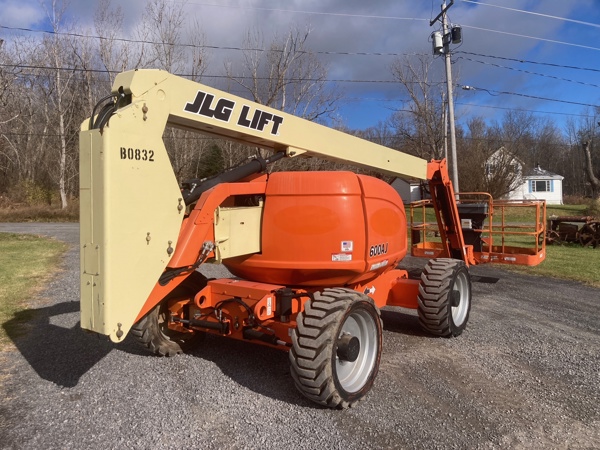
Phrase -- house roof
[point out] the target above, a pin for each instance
(538, 172)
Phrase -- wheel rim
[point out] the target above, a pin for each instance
(460, 288)
(353, 375)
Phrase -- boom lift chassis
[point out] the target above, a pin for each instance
(143, 236)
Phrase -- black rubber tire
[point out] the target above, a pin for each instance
(442, 281)
(318, 372)
(151, 330)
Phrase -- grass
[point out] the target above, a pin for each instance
(568, 262)
(26, 263)
(566, 210)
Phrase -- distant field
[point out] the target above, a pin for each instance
(569, 262)
(40, 214)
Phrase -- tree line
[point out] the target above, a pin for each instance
(50, 84)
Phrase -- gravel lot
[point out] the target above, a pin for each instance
(525, 374)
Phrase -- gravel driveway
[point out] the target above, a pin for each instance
(525, 374)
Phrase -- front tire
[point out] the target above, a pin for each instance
(153, 332)
(336, 348)
(444, 300)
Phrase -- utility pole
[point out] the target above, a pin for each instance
(444, 48)
(445, 120)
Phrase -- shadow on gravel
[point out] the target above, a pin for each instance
(266, 371)
(403, 323)
(52, 342)
(261, 369)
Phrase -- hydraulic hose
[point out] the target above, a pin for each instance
(256, 165)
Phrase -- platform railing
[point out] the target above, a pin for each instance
(500, 231)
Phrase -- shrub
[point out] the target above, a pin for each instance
(28, 193)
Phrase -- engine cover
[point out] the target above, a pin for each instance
(326, 229)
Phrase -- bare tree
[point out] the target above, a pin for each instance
(114, 54)
(475, 150)
(381, 134)
(585, 137)
(285, 75)
(494, 158)
(59, 90)
(419, 126)
(589, 169)
(513, 153)
(165, 21)
(198, 57)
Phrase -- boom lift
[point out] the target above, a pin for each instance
(314, 254)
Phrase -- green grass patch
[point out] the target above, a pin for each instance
(26, 263)
(566, 210)
(568, 262)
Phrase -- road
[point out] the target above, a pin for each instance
(525, 374)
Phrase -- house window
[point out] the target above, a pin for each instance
(541, 186)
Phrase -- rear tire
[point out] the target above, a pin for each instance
(444, 300)
(153, 332)
(336, 348)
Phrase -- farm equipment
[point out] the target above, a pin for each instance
(584, 230)
(314, 254)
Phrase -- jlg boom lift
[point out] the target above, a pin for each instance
(314, 254)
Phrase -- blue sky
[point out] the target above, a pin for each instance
(561, 37)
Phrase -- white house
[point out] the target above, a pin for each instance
(539, 184)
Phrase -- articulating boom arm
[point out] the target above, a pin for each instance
(162, 99)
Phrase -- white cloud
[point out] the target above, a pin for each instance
(384, 26)
(23, 14)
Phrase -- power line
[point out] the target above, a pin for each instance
(552, 41)
(476, 105)
(493, 92)
(529, 72)
(317, 13)
(217, 47)
(521, 109)
(119, 39)
(548, 16)
(404, 18)
(203, 46)
(492, 140)
(104, 71)
(489, 91)
(318, 52)
(560, 66)
(226, 77)
(197, 137)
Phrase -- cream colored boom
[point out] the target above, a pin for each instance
(131, 206)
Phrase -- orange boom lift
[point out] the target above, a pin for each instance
(314, 255)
